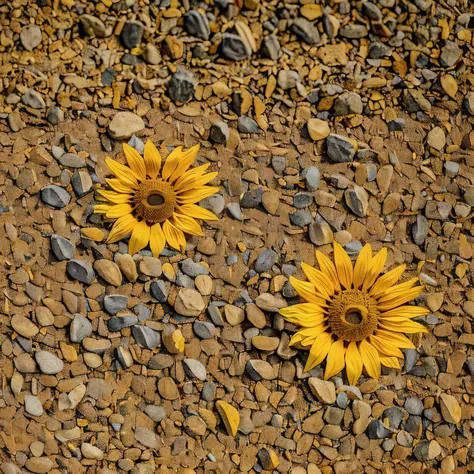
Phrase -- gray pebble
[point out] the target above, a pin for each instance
(71, 160)
(49, 363)
(389, 444)
(414, 406)
(55, 116)
(265, 261)
(215, 315)
(342, 400)
(372, 11)
(113, 304)
(377, 430)
(450, 54)
(160, 290)
(81, 183)
(55, 196)
(131, 35)
(302, 200)
(311, 175)
(30, 37)
(235, 211)
(181, 86)
(219, 132)
(80, 270)
(333, 415)
(196, 24)
(411, 358)
(413, 424)
(203, 329)
(426, 450)
(117, 323)
(301, 218)
(57, 152)
(394, 415)
(452, 168)
(214, 203)
(246, 124)
(33, 406)
(233, 47)
(305, 31)
(136, 143)
(348, 103)
(231, 259)
(252, 199)
(208, 391)
(184, 280)
(62, 248)
(279, 164)
(33, 99)
(146, 337)
(340, 149)
(80, 328)
(419, 230)
(142, 312)
(193, 269)
(271, 47)
(156, 413)
(194, 369)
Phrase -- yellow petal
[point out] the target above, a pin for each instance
(399, 289)
(191, 175)
(118, 211)
(119, 186)
(307, 336)
(157, 240)
(193, 210)
(102, 208)
(322, 284)
(171, 163)
(328, 268)
(370, 359)
(307, 291)
(186, 224)
(122, 172)
(385, 347)
(195, 195)
(195, 182)
(318, 350)
(391, 362)
(335, 359)
(344, 268)
(230, 416)
(122, 227)
(174, 236)
(140, 238)
(152, 159)
(114, 197)
(184, 163)
(353, 363)
(399, 324)
(397, 298)
(406, 312)
(376, 266)
(399, 340)
(306, 314)
(386, 281)
(362, 265)
(135, 161)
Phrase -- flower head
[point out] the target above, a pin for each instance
(156, 206)
(354, 317)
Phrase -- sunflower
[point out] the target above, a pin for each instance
(156, 207)
(354, 317)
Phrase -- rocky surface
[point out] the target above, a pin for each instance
(338, 120)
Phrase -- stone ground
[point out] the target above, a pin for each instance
(337, 120)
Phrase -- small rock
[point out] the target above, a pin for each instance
(131, 35)
(269, 302)
(301, 218)
(246, 124)
(115, 303)
(306, 31)
(159, 290)
(450, 408)
(30, 37)
(358, 200)
(233, 47)
(436, 138)
(271, 47)
(156, 413)
(340, 149)
(193, 269)
(377, 430)
(268, 459)
(24, 326)
(219, 132)
(259, 369)
(265, 261)
(348, 103)
(92, 26)
(181, 86)
(311, 175)
(320, 233)
(91, 452)
(324, 391)
(124, 125)
(420, 229)
(318, 129)
(189, 302)
(80, 270)
(203, 329)
(49, 363)
(353, 31)
(39, 465)
(427, 450)
(450, 54)
(288, 79)
(33, 99)
(119, 322)
(55, 196)
(33, 406)
(146, 337)
(230, 416)
(80, 328)
(196, 24)
(194, 369)
(167, 388)
(414, 406)
(55, 116)
(109, 271)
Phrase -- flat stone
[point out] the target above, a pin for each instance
(270, 303)
(265, 261)
(40, 465)
(55, 196)
(189, 302)
(48, 363)
(427, 450)
(147, 437)
(124, 125)
(33, 99)
(80, 328)
(30, 37)
(25, 364)
(115, 303)
(33, 406)
(450, 54)
(259, 370)
(193, 269)
(62, 248)
(305, 31)
(246, 124)
(71, 160)
(24, 326)
(167, 388)
(340, 149)
(156, 413)
(81, 183)
(324, 391)
(271, 47)
(265, 343)
(420, 229)
(80, 270)
(91, 452)
(194, 369)
(357, 200)
(131, 35)
(181, 86)
(146, 336)
(450, 408)
(414, 406)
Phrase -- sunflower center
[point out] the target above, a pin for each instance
(353, 315)
(154, 201)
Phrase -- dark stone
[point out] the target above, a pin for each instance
(196, 24)
(234, 48)
(131, 35)
(181, 86)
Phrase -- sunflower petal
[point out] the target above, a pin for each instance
(370, 359)
(195, 195)
(385, 348)
(195, 182)
(306, 315)
(157, 240)
(184, 163)
(102, 208)
(318, 350)
(152, 159)
(307, 291)
(118, 211)
(198, 212)
(406, 312)
(399, 324)
(362, 265)
(376, 266)
(320, 281)
(135, 161)
(397, 298)
(307, 336)
(174, 236)
(328, 268)
(140, 238)
(122, 172)
(187, 224)
(344, 268)
(391, 362)
(190, 175)
(122, 227)
(399, 340)
(386, 281)
(112, 196)
(353, 363)
(171, 163)
(335, 359)
(400, 288)
(119, 186)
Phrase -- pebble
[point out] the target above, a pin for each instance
(181, 86)
(194, 369)
(246, 124)
(305, 31)
(30, 37)
(146, 337)
(33, 406)
(167, 388)
(81, 183)
(427, 450)
(420, 229)
(33, 99)
(414, 406)
(80, 328)
(159, 290)
(120, 322)
(288, 79)
(340, 149)
(151, 55)
(324, 391)
(196, 24)
(395, 416)
(39, 465)
(377, 430)
(348, 103)
(203, 329)
(357, 200)
(115, 303)
(193, 269)
(318, 129)
(55, 196)
(109, 271)
(24, 326)
(259, 370)
(48, 363)
(311, 176)
(91, 452)
(93, 26)
(320, 233)
(301, 218)
(156, 413)
(450, 408)
(271, 47)
(124, 124)
(233, 47)
(450, 54)
(219, 132)
(189, 302)
(131, 35)
(353, 31)
(55, 116)
(265, 261)
(80, 270)
(235, 211)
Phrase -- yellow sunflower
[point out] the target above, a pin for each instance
(354, 317)
(156, 207)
